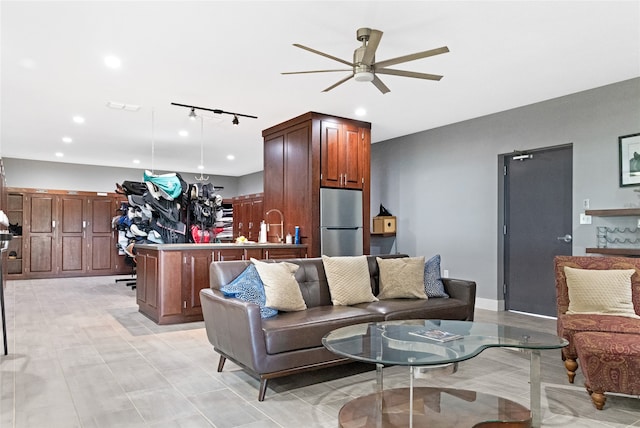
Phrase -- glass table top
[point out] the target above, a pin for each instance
(403, 342)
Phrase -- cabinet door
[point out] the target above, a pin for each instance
(40, 228)
(195, 277)
(350, 158)
(100, 235)
(330, 154)
(257, 215)
(71, 231)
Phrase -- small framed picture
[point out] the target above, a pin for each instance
(629, 160)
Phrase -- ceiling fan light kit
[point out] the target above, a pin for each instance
(364, 66)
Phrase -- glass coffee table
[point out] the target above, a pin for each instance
(419, 343)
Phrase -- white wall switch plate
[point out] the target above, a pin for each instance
(585, 219)
(585, 204)
(445, 273)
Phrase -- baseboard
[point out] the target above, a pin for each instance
(490, 304)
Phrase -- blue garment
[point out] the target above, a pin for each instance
(169, 183)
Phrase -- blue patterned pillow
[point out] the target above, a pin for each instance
(248, 286)
(433, 285)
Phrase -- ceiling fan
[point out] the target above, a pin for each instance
(364, 66)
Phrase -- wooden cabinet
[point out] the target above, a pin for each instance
(312, 151)
(248, 212)
(15, 214)
(66, 234)
(170, 277)
(341, 149)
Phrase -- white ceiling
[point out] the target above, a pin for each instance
(229, 55)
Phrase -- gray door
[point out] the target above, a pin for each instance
(538, 204)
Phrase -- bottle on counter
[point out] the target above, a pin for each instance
(297, 235)
(288, 239)
(262, 238)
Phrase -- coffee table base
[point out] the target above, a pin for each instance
(433, 408)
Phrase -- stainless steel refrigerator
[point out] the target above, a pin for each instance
(340, 222)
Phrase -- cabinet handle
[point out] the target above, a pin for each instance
(250, 225)
(345, 179)
(266, 254)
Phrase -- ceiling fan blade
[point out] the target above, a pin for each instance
(412, 57)
(408, 74)
(315, 71)
(338, 83)
(323, 54)
(372, 46)
(381, 86)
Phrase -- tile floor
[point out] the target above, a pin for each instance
(81, 355)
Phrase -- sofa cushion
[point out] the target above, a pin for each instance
(348, 279)
(293, 331)
(401, 278)
(605, 292)
(280, 286)
(433, 285)
(399, 309)
(248, 287)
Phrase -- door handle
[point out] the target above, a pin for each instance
(565, 238)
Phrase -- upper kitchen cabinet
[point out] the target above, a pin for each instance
(306, 153)
(342, 149)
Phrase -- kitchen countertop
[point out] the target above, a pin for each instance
(181, 247)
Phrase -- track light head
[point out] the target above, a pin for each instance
(192, 114)
(235, 120)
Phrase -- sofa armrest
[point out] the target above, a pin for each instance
(464, 290)
(234, 328)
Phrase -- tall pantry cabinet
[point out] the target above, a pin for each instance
(64, 234)
(306, 153)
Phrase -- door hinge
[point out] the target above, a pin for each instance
(504, 229)
(504, 170)
(504, 289)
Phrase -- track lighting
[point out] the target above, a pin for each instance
(193, 116)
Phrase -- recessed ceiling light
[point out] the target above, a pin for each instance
(59, 154)
(78, 119)
(183, 133)
(231, 157)
(201, 167)
(112, 61)
(67, 140)
(136, 161)
(360, 111)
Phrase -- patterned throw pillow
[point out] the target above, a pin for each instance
(349, 280)
(605, 292)
(281, 289)
(401, 278)
(248, 287)
(433, 285)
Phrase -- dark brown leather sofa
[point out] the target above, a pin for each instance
(291, 342)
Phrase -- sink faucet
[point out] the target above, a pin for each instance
(266, 217)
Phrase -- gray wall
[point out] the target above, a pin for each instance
(442, 184)
(66, 176)
(251, 183)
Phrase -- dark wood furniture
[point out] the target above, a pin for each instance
(615, 212)
(248, 212)
(64, 233)
(169, 277)
(308, 152)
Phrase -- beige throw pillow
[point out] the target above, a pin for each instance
(349, 280)
(281, 289)
(401, 278)
(605, 292)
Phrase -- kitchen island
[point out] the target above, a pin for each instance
(169, 277)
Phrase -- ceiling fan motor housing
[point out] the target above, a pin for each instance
(361, 72)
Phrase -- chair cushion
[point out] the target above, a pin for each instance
(570, 325)
(401, 278)
(606, 292)
(281, 289)
(348, 279)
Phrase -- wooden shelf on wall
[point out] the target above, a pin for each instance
(615, 251)
(618, 212)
